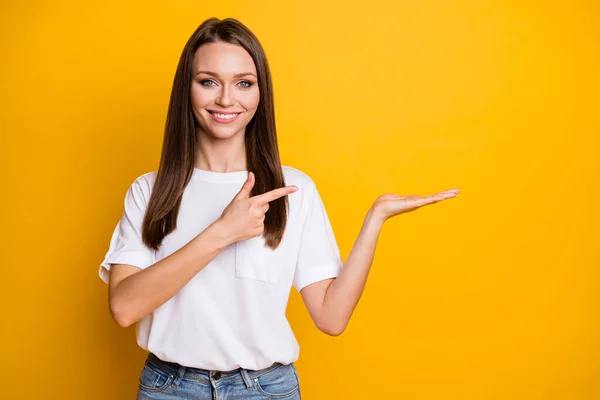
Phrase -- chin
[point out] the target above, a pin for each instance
(220, 133)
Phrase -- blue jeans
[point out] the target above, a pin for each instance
(162, 380)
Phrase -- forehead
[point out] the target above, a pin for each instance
(223, 58)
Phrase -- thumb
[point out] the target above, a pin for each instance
(246, 189)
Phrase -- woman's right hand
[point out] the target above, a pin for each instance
(244, 217)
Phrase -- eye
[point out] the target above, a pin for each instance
(245, 84)
(205, 82)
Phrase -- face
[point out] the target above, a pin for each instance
(224, 91)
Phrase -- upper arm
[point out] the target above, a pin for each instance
(313, 296)
(126, 244)
(118, 272)
(319, 261)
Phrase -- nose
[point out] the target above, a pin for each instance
(225, 97)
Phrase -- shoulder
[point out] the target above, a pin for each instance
(307, 190)
(141, 187)
(146, 180)
(294, 176)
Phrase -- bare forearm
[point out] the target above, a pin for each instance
(344, 292)
(142, 292)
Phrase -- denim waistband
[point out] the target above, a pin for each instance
(178, 370)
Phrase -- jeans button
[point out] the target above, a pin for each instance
(217, 375)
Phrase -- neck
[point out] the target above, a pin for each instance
(221, 155)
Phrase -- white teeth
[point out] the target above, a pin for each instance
(225, 116)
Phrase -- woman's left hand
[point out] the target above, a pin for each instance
(388, 205)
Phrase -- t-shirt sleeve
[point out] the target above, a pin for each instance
(319, 255)
(126, 246)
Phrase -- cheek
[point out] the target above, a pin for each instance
(199, 97)
(250, 100)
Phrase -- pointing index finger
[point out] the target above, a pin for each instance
(275, 194)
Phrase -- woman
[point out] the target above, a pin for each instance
(209, 246)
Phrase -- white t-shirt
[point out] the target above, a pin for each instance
(232, 313)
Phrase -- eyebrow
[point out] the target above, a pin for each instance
(217, 75)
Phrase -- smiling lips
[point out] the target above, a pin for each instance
(224, 117)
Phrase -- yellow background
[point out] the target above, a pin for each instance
(492, 295)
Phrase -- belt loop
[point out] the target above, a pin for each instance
(246, 378)
(179, 376)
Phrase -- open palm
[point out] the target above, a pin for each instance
(391, 204)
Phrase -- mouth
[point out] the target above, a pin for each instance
(223, 117)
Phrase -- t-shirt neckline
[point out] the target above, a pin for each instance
(220, 177)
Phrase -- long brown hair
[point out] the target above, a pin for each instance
(180, 142)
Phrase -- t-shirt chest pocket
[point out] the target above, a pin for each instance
(254, 260)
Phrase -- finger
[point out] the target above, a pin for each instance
(445, 195)
(264, 208)
(449, 191)
(432, 199)
(246, 189)
(275, 194)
